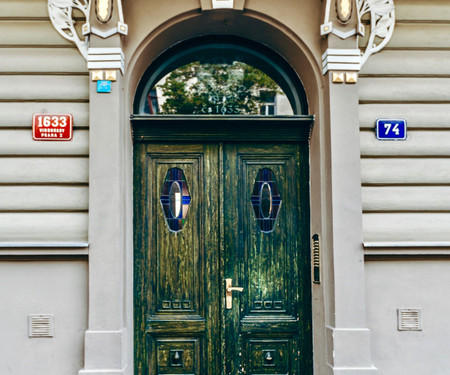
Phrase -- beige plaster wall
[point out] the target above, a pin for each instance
(42, 287)
(409, 284)
(405, 185)
(44, 185)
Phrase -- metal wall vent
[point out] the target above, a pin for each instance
(41, 325)
(409, 319)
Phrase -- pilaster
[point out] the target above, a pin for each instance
(348, 339)
(108, 340)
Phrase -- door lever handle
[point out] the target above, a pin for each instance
(229, 292)
(236, 288)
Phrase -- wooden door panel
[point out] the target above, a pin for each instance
(176, 319)
(176, 257)
(182, 325)
(268, 266)
(262, 329)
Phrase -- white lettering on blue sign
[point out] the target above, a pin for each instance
(391, 129)
(104, 86)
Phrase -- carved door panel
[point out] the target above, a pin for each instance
(210, 212)
(177, 298)
(266, 253)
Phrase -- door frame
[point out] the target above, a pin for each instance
(159, 128)
(296, 128)
(341, 337)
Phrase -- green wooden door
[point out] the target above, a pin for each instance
(205, 213)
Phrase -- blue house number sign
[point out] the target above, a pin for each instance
(391, 129)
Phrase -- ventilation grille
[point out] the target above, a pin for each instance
(409, 319)
(41, 325)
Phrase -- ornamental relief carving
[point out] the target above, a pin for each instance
(382, 22)
(61, 16)
(60, 12)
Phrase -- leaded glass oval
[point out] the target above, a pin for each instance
(175, 199)
(265, 197)
(266, 200)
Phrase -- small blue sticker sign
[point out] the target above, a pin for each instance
(391, 129)
(103, 86)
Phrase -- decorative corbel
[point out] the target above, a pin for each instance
(106, 22)
(60, 12)
(382, 22)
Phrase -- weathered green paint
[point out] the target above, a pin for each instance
(268, 330)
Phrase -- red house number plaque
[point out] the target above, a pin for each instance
(49, 127)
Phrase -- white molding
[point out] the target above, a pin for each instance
(342, 34)
(104, 34)
(222, 4)
(106, 58)
(44, 252)
(13, 245)
(341, 59)
(406, 244)
(340, 52)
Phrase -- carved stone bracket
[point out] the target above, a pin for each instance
(61, 15)
(382, 22)
(60, 12)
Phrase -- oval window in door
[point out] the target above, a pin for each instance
(266, 200)
(265, 197)
(175, 199)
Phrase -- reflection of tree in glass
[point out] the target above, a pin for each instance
(215, 89)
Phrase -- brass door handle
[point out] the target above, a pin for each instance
(229, 292)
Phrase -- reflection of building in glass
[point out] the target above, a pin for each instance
(217, 89)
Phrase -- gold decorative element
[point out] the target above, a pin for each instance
(111, 75)
(338, 77)
(97, 75)
(344, 10)
(351, 77)
(103, 10)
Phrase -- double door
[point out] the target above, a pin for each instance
(222, 263)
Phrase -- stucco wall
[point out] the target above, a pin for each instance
(43, 194)
(405, 185)
(405, 190)
(409, 284)
(44, 287)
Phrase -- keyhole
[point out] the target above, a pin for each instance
(176, 358)
(268, 358)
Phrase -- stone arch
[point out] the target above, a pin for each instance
(248, 27)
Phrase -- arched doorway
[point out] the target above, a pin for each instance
(222, 264)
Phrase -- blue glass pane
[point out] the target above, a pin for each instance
(175, 199)
(266, 200)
